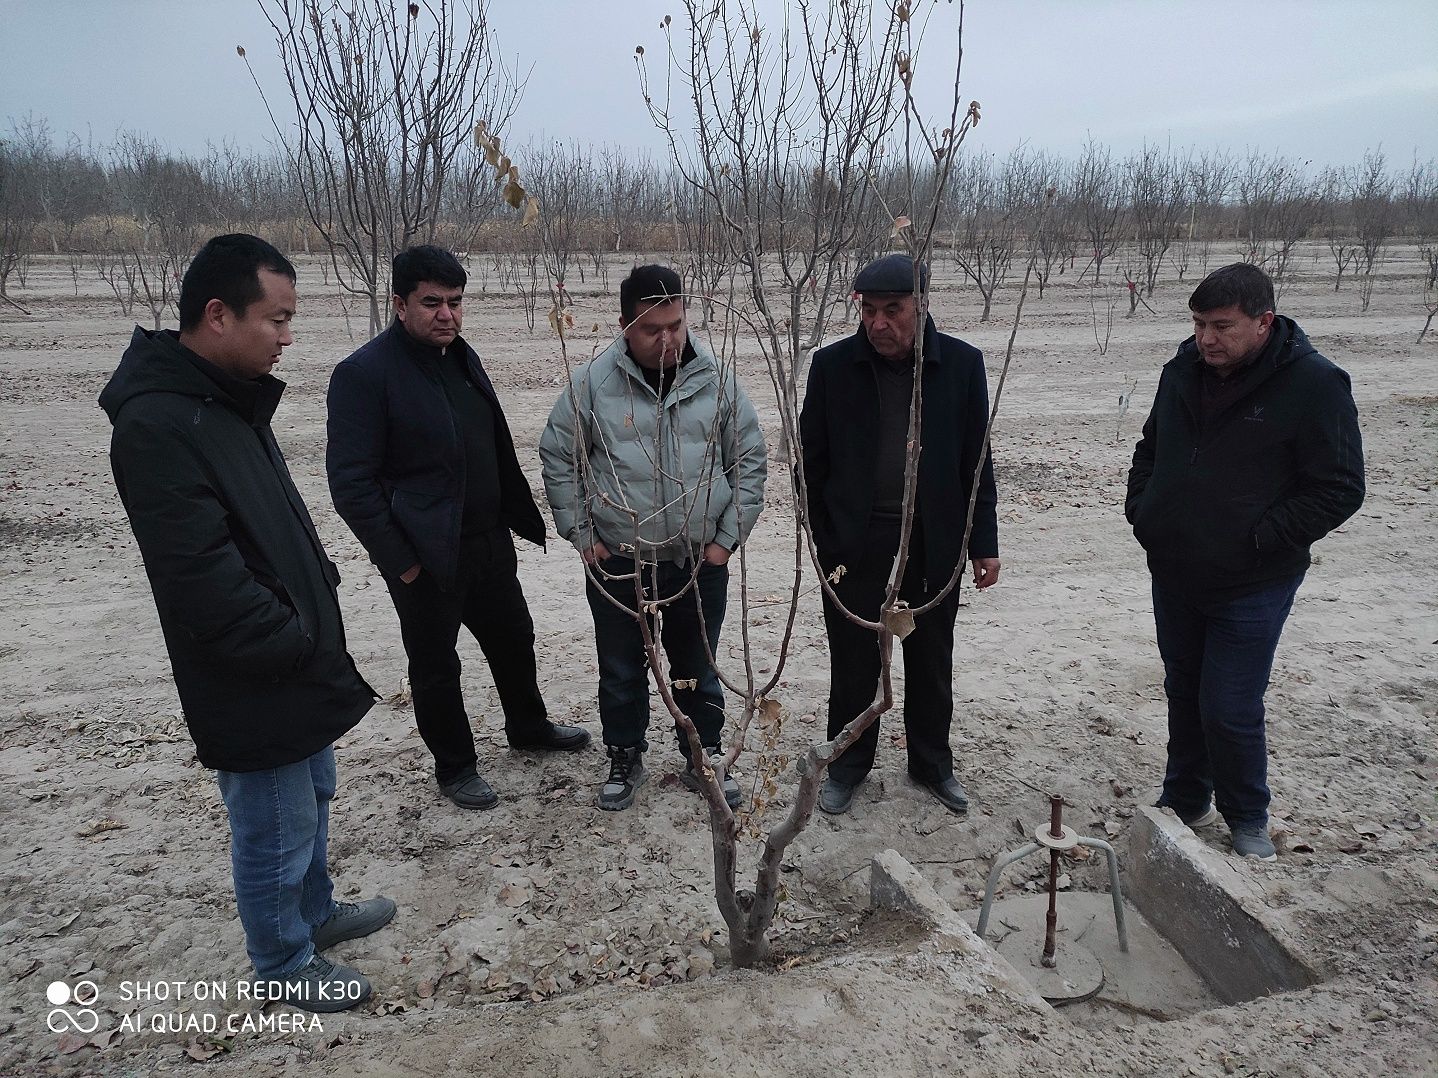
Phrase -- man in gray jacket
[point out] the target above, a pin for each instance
(654, 465)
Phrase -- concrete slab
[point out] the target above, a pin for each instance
(896, 884)
(1151, 981)
(1215, 916)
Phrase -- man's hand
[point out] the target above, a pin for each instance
(410, 575)
(595, 554)
(715, 554)
(986, 572)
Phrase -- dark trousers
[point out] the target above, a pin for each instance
(623, 665)
(1217, 656)
(928, 661)
(488, 601)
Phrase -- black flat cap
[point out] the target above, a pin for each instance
(892, 273)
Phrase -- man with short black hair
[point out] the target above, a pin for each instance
(248, 604)
(1251, 454)
(855, 431)
(423, 469)
(654, 464)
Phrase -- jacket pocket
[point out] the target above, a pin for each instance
(276, 588)
(421, 515)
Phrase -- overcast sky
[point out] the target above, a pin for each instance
(1319, 80)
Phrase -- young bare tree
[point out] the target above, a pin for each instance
(790, 123)
(386, 97)
(18, 210)
(561, 176)
(164, 196)
(992, 202)
(704, 251)
(1420, 209)
(1102, 296)
(1157, 195)
(630, 183)
(1278, 204)
(1337, 222)
(1373, 218)
(1096, 194)
(1209, 177)
(1053, 242)
(1430, 303)
(1420, 219)
(237, 188)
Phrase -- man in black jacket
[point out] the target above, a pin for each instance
(247, 603)
(422, 468)
(855, 431)
(1250, 454)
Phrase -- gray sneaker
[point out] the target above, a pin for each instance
(1251, 840)
(626, 773)
(1204, 817)
(730, 787)
(320, 985)
(351, 920)
(836, 797)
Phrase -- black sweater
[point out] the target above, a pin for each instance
(1230, 505)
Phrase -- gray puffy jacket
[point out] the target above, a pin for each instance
(624, 468)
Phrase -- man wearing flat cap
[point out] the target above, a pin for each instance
(855, 431)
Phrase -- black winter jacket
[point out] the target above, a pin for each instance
(245, 593)
(1234, 505)
(396, 461)
(839, 426)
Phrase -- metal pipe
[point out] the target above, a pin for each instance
(994, 873)
(1051, 919)
(1115, 889)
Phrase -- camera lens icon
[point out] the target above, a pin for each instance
(82, 995)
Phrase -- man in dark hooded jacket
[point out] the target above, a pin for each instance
(247, 603)
(1251, 453)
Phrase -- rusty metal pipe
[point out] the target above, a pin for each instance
(1051, 919)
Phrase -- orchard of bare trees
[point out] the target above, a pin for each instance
(130, 212)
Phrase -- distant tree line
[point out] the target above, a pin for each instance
(131, 212)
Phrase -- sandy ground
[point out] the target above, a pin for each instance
(546, 937)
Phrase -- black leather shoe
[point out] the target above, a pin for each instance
(951, 794)
(469, 791)
(836, 797)
(556, 739)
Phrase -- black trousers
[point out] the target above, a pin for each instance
(488, 601)
(624, 666)
(928, 701)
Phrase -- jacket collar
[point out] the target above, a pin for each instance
(692, 373)
(156, 362)
(421, 352)
(864, 350)
(1286, 342)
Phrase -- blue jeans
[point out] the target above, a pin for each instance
(1217, 656)
(624, 667)
(279, 838)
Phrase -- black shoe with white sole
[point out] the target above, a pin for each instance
(626, 773)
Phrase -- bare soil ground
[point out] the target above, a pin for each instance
(546, 937)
